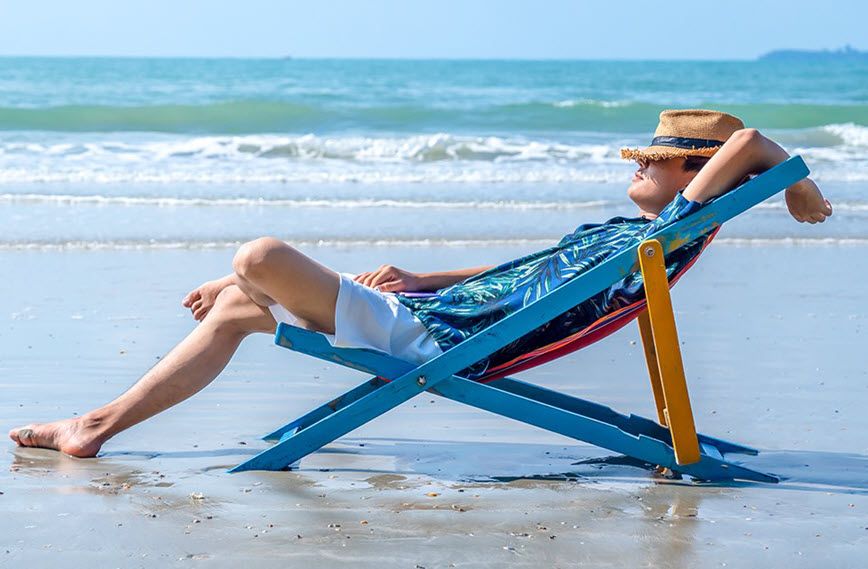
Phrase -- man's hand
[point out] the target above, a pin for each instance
(201, 299)
(391, 279)
(806, 203)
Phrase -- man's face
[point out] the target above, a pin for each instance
(655, 183)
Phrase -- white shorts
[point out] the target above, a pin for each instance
(368, 318)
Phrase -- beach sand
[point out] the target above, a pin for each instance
(774, 343)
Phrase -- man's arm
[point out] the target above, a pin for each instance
(749, 152)
(389, 278)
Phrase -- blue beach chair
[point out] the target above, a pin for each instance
(671, 442)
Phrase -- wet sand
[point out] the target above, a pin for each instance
(774, 341)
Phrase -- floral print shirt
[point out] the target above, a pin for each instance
(455, 313)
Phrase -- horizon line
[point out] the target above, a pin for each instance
(375, 58)
(290, 57)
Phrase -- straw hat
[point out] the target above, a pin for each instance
(687, 132)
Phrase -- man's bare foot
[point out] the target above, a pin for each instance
(70, 436)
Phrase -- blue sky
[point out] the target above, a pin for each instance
(602, 29)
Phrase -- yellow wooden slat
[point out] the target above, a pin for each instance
(677, 412)
(653, 368)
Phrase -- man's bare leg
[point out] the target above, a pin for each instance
(190, 366)
(310, 291)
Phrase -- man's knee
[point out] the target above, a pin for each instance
(231, 307)
(254, 257)
(234, 311)
(230, 304)
(231, 297)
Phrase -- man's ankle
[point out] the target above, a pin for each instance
(96, 423)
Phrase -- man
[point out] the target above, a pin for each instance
(274, 282)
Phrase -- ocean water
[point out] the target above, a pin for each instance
(149, 153)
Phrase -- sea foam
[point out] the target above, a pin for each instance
(836, 152)
(134, 245)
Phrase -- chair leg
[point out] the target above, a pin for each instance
(326, 409)
(647, 336)
(634, 424)
(333, 426)
(677, 412)
(591, 430)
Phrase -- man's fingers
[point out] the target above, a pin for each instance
(383, 275)
(380, 279)
(200, 314)
(372, 279)
(391, 286)
(191, 296)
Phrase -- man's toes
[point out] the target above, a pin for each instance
(25, 437)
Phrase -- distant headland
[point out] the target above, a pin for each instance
(846, 53)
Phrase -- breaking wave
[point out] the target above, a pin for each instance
(399, 242)
(835, 152)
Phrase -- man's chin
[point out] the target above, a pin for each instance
(637, 193)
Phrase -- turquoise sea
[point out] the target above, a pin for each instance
(208, 152)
